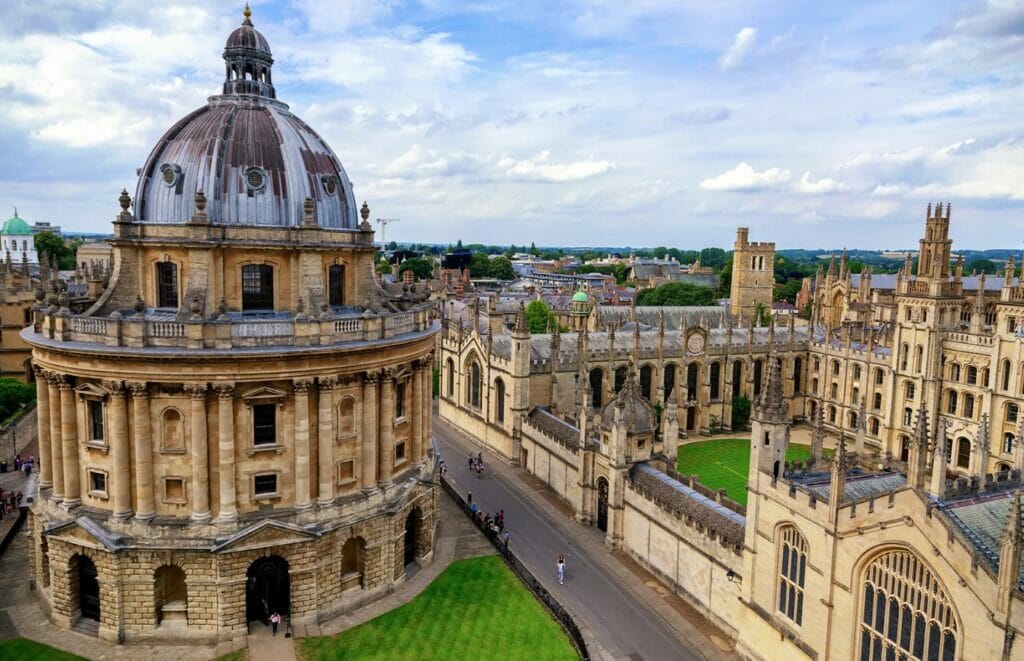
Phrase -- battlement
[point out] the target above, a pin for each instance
(939, 213)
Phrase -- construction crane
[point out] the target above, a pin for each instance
(383, 222)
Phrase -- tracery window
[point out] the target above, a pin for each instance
(792, 568)
(499, 400)
(905, 613)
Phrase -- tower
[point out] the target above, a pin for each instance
(753, 275)
(769, 429)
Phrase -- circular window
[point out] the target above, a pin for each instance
(170, 173)
(330, 185)
(255, 178)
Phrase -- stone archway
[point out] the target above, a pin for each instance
(171, 595)
(602, 504)
(267, 589)
(413, 528)
(87, 587)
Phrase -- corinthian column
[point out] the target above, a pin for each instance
(368, 433)
(386, 456)
(144, 507)
(119, 451)
(43, 425)
(200, 452)
(416, 435)
(56, 444)
(226, 451)
(301, 388)
(325, 441)
(428, 407)
(69, 438)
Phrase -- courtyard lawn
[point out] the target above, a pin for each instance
(18, 649)
(723, 463)
(476, 609)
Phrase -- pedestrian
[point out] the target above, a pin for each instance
(561, 569)
(473, 509)
(480, 457)
(469, 497)
(479, 471)
(471, 461)
(17, 462)
(501, 516)
(508, 533)
(275, 619)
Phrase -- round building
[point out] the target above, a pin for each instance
(240, 423)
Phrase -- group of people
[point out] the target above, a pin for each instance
(493, 524)
(9, 501)
(24, 465)
(477, 464)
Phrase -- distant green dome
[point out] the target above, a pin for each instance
(16, 227)
(578, 297)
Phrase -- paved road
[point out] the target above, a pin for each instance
(624, 625)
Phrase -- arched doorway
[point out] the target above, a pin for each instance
(171, 594)
(88, 588)
(412, 529)
(691, 418)
(602, 504)
(267, 589)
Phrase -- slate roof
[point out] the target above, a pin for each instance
(682, 501)
(677, 317)
(858, 485)
(551, 425)
(981, 520)
(888, 281)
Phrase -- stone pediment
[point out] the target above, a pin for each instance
(264, 393)
(85, 532)
(91, 390)
(264, 534)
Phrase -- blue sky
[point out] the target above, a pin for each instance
(816, 124)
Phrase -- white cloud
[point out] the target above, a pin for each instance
(700, 115)
(745, 178)
(536, 168)
(808, 185)
(741, 47)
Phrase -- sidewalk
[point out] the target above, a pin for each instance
(685, 622)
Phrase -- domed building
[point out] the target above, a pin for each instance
(17, 241)
(240, 423)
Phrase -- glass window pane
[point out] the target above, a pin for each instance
(919, 632)
(934, 638)
(869, 602)
(803, 566)
(949, 647)
(894, 614)
(906, 621)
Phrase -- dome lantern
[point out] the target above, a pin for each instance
(248, 61)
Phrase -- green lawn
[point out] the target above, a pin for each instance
(723, 463)
(20, 649)
(476, 609)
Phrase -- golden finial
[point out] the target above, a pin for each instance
(247, 12)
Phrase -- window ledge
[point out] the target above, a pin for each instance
(402, 420)
(346, 435)
(175, 501)
(267, 496)
(173, 451)
(98, 446)
(101, 495)
(265, 447)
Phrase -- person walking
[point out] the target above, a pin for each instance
(508, 533)
(561, 569)
(275, 619)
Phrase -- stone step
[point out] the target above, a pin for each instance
(87, 626)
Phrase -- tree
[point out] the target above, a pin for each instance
(501, 268)
(13, 394)
(480, 267)
(713, 257)
(392, 245)
(740, 412)
(725, 279)
(539, 316)
(981, 265)
(788, 291)
(421, 267)
(676, 293)
(49, 244)
(458, 246)
(383, 267)
(533, 248)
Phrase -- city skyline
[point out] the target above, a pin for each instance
(653, 124)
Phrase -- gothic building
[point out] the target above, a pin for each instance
(240, 422)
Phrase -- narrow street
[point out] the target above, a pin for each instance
(626, 626)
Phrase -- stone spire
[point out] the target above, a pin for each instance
(1011, 543)
(981, 449)
(771, 405)
(1018, 445)
(837, 482)
(939, 462)
(917, 463)
(521, 328)
(862, 426)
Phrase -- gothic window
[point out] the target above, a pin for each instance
(954, 372)
(834, 390)
(473, 388)
(878, 401)
(669, 380)
(620, 378)
(908, 416)
(692, 379)
(879, 376)
(910, 390)
(904, 448)
(856, 396)
(166, 285)
(853, 420)
(737, 378)
(792, 571)
(1005, 375)
(963, 453)
(645, 381)
(835, 367)
(972, 375)
(715, 377)
(951, 402)
(336, 285)
(450, 368)
(1007, 443)
(968, 405)
(499, 400)
(596, 387)
(904, 350)
(905, 613)
(758, 370)
(798, 375)
(172, 429)
(257, 287)
(832, 414)
(874, 426)
(918, 359)
(856, 372)
(1012, 411)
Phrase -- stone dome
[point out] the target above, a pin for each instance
(636, 412)
(255, 161)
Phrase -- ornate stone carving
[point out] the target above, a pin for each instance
(224, 390)
(387, 374)
(195, 390)
(115, 388)
(302, 386)
(372, 377)
(138, 389)
(327, 383)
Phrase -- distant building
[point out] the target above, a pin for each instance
(16, 239)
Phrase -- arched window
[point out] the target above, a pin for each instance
(1012, 412)
(904, 352)
(951, 402)
(909, 390)
(904, 448)
(874, 426)
(1004, 375)
(798, 376)
(968, 405)
(835, 367)
(918, 359)
(792, 570)
(645, 382)
(668, 381)
(172, 429)
(450, 369)
(856, 372)
(879, 376)
(737, 378)
(1008, 443)
(692, 381)
(346, 416)
(596, 387)
(758, 371)
(908, 416)
(336, 284)
(963, 453)
(499, 400)
(715, 377)
(972, 375)
(877, 403)
(832, 414)
(620, 378)
(473, 388)
(257, 287)
(954, 372)
(904, 611)
(166, 285)
(853, 420)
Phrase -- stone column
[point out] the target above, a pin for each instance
(386, 447)
(69, 439)
(144, 506)
(301, 389)
(43, 425)
(119, 451)
(226, 451)
(200, 452)
(416, 435)
(368, 433)
(428, 409)
(325, 441)
(56, 444)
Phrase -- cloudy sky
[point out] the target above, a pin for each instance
(580, 122)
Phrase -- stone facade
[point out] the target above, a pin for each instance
(239, 423)
(753, 276)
